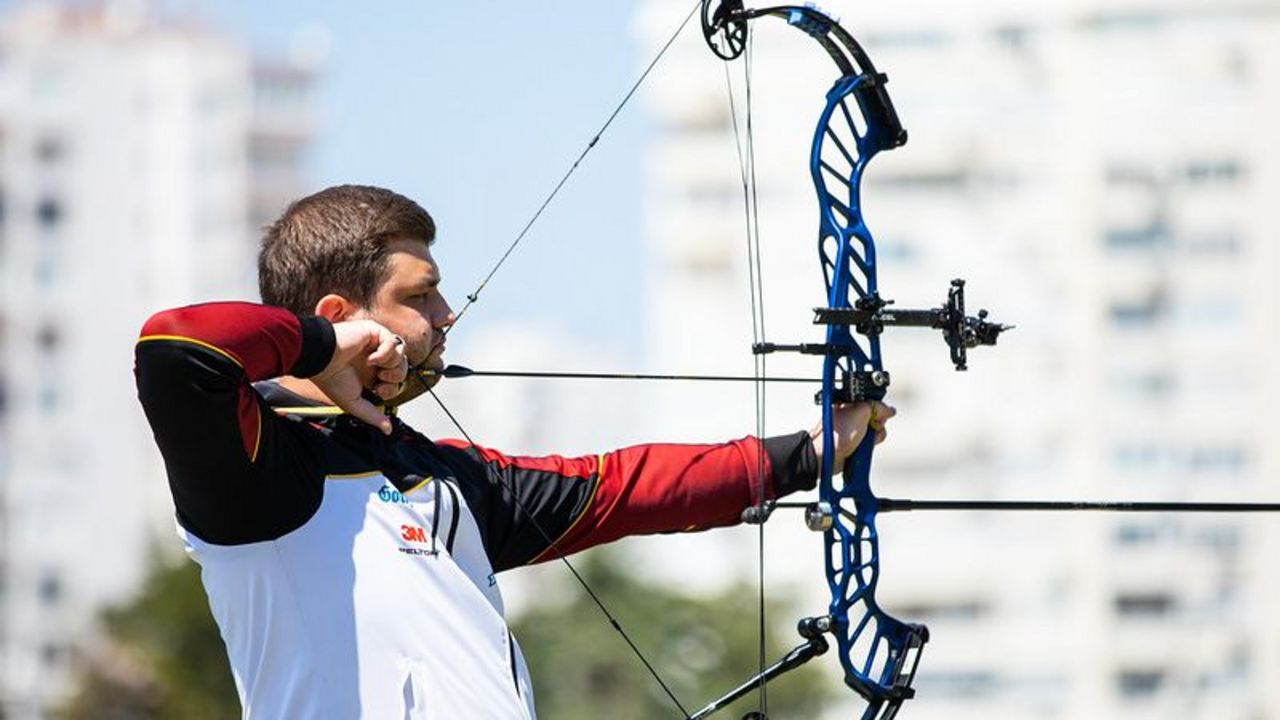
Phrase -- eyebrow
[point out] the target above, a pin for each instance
(429, 282)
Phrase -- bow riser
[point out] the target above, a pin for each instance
(878, 653)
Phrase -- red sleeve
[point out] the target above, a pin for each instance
(237, 472)
(668, 488)
(565, 505)
(261, 342)
(265, 341)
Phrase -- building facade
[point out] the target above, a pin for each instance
(137, 158)
(1102, 173)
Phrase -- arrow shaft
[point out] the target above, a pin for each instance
(615, 376)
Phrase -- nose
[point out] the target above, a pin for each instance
(444, 317)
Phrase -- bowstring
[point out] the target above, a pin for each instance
(475, 294)
(750, 204)
(505, 484)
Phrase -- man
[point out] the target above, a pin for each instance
(349, 560)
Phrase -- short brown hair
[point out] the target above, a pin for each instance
(335, 242)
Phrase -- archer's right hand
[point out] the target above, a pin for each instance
(367, 356)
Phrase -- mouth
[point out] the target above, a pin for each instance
(434, 356)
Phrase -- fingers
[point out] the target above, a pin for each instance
(369, 364)
(369, 413)
(391, 365)
(880, 414)
(389, 357)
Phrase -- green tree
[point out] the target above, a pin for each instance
(162, 656)
(702, 647)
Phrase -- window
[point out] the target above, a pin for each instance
(1147, 385)
(1013, 37)
(1222, 538)
(923, 38)
(1143, 312)
(1131, 175)
(51, 653)
(958, 684)
(1126, 20)
(50, 149)
(47, 398)
(1137, 456)
(49, 589)
(1217, 241)
(1135, 535)
(956, 610)
(937, 180)
(1150, 604)
(49, 212)
(1229, 460)
(1218, 311)
(1203, 172)
(1139, 683)
(1147, 237)
(48, 338)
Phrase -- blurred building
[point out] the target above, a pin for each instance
(1104, 174)
(138, 157)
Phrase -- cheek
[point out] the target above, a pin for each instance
(401, 320)
(415, 323)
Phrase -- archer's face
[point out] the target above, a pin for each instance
(409, 302)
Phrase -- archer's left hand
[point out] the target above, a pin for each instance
(850, 424)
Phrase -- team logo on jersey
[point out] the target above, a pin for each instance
(388, 494)
(417, 535)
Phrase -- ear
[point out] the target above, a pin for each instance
(335, 308)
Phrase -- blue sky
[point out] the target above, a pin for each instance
(475, 110)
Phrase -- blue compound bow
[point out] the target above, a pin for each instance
(879, 653)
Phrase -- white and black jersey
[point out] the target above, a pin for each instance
(352, 574)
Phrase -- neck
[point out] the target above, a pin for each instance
(305, 388)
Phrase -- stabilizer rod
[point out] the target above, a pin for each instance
(901, 505)
(798, 656)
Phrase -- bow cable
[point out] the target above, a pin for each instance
(506, 485)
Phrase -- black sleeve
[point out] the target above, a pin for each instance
(237, 471)
(794, 463)
(563, 505)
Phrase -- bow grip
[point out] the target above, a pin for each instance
(856, 475)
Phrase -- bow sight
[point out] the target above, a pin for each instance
(871, 314)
